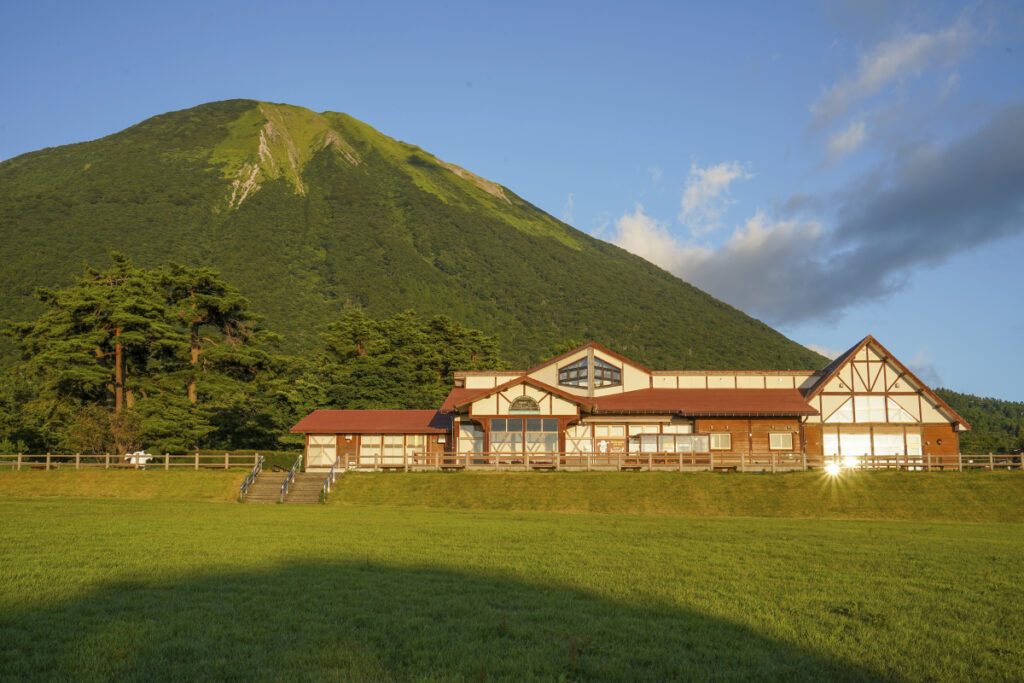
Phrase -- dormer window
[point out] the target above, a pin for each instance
(574, 374)
(577, 374)
(606, 374)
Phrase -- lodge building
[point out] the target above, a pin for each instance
(591, 408)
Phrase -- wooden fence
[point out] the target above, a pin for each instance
(108, 461)
(570, 462)
(676, 462)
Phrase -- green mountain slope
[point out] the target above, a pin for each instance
(310, 214)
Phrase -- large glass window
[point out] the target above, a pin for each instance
(721, 442)
(606, 374)
(869, 408)
(538, 435)
(781, 441)
(471, 438)
(574, 374)
(897, 413)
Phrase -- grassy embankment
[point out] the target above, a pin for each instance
(173, 589)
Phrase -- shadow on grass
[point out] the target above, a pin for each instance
(368, 622)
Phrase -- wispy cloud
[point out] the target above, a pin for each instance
(920, 209)
(704, 199)
(901, 57)
(656, 174)
(829, 353)
(567, 210)
(846, 142)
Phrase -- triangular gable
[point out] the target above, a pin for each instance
(484, 393)
(837, 366)
(583, 347)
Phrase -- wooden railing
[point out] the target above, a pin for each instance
(681, 462)
(108, 461)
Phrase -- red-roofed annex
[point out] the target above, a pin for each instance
(591, 407)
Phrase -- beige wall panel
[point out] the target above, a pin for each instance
(863, 354)
(836, 384)
(873, 354)
(846, 375)
(607, 391)
(780, 382)
(632, 378)
(559, 406)
(692, 381)
(892, 375)
(526, 390)
(664, 382)
(548, 375)
(486, 406)
(829, 404)
(721, 381)
(930, 413)
(859, 372)
(481, 382)
(750, 382)
(909, 404)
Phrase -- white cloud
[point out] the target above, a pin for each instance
(647, 238)
(896, 59)
(846, 142)
(703, 199)
(656, 174)
(829, 353)
(950, 85)
(567, 216)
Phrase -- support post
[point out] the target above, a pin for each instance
(618, 461)
(929, 462)
(19, 462)
(991, 462)
(803, 460)
(197, 461)
(405, 460)
(106, 461)
(773, 462)
(47, 462)
(588, 461)
(650, 462)
(78, 461)
(167, 461)
(227, 461)
(959, 462)
(743, 467)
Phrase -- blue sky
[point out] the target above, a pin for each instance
(832, 168)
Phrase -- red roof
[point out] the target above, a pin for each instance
(706, 402)
(459, 396)
(374, 422)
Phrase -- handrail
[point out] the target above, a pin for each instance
(250, 478)
(290, 478)
(325, 489)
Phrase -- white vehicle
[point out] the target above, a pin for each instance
(139, 458)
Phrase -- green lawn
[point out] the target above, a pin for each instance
(172, 589)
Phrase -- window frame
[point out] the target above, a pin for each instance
(721, 435)
(771, 437)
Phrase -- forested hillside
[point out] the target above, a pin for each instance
(312, 215)
(996, 426)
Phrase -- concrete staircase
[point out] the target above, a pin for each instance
(267, 488)
(305, 488)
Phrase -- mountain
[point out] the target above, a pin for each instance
(312, 213)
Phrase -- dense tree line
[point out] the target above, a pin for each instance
(173, 359)
(996, 426)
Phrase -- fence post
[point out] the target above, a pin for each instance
(588, 461)
(650, 462)
(929, 462)
(959, 462)
(618, 461)
(106, 461)
(138, 461)
(773, 462)
(405, 460)
(803, 460)
(19, 462)
(47, 462)
(167, 461)
(226, 461)
(197, 461)
(743, 467)
(78, 461)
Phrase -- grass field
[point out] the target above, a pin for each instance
(413, 587)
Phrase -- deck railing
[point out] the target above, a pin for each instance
(108, 461)
(251, 477)
(681, 462)
(291, 477)
(325, 489)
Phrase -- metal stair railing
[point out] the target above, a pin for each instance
(290, 478)
(250, 478)
(325, 489)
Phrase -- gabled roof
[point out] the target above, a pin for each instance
(459, 396)
(698, 402)
(374, 422)
(588, 345)
(832, 369)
